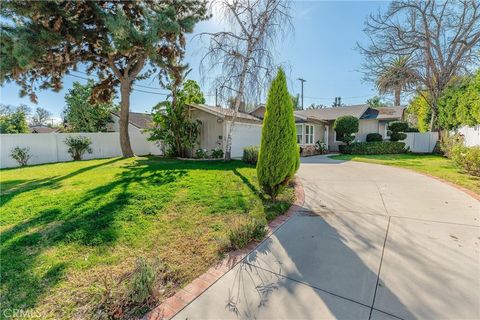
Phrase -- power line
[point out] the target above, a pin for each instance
(133, 89)
(135, 85)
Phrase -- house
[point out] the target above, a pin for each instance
(215, 123)
(317, 124)
(138, 122)
(137, 126)
(312, 125)
(42, 129)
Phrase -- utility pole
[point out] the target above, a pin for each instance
(302, 81)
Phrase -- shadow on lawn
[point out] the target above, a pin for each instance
(93, 221)
(13, 188)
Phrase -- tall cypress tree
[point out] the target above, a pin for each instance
(279, 156)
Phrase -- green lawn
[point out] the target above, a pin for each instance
(434, 165)
(72, 233)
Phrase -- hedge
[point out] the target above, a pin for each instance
(250, 154)
(377, 147)
(371, 137)
(467, 158)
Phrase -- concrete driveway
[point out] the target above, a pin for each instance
(372, 242)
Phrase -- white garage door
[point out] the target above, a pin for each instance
(244, 135)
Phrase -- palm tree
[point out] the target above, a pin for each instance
(398, 75)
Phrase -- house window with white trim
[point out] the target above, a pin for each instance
(338, 136)
(299, 133)
(308, 134)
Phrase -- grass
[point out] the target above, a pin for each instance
(72, 233)
(434, 165)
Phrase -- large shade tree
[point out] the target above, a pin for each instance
(121, 41)
(441, 39)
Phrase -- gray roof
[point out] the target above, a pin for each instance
(42, 129)
(361, 111)
(224, 112)
(333, 113)
(139, 120)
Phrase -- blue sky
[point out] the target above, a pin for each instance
(321, 50)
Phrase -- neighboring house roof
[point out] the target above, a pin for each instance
(390, 113)
(42, 129)
(139, 120)
(224, 112)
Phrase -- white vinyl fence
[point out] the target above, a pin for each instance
(471, 135)
(50, 147)
(421, 142)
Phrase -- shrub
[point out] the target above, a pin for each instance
(250, 154)
(411, 129)
(279, 156)
(397, 129)
(377, 147)
(371, 137)
(217, 153)
(201, 153)
(77, 146)
(468, 158)
(448, 142)
(242, 233)
(321, 147)
(345, 127)
(21, 155)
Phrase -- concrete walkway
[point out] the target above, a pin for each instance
(372, 242)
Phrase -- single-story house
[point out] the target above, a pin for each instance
(137, 124)
(312, 125)
(42, 129)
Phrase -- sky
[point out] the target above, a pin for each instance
(321, 50)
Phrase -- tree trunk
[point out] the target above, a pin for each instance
(124, 119)
(238, 101)
(397, 97)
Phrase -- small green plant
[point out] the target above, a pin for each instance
(201, 153)
(77, 146)
(374, 137)
(397, 129)
(242, 233)
(21, 155)
(448, 142)
(468, 158)
(217, 153)
(250, 154)
(321, 147)
(346, 127)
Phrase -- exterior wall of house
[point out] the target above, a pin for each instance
(211, 129)
(366, 126)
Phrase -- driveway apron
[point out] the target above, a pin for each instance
(371, 242)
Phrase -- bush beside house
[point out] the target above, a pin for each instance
(345, 127)
(279, 156)
(371, 137)
(250, 154)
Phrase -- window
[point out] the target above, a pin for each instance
(299, 133)
(338, 136)
(308, 134)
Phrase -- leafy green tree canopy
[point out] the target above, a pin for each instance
(13, 119)
(279, 156)
(173, 125)
(80, 115)
(43, 40)
(346, 126)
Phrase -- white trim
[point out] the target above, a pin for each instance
(301, 134)
(335, 136)
(312, 134)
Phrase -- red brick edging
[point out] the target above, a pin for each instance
(171, 306)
